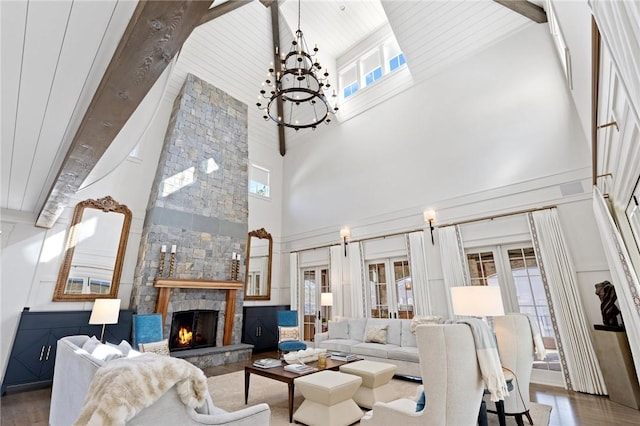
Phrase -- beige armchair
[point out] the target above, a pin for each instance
(451, 378)
(516, 349)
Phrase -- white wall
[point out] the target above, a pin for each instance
(499, 118)
(267, 213)
(497, 133)
(574, 18)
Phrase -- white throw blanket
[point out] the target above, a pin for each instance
(538, 344)
(488, 358)
(123, 387)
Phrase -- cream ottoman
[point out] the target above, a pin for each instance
(327, 399)
(375, 381)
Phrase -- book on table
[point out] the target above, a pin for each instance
(267, 363)
(344, 356)
(299, 368)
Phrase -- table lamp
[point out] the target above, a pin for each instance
(105, 311)
(477, 301)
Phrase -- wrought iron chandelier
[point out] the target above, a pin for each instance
(294, 90)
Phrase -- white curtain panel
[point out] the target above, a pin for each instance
(624, 277)
(619, 25)
(294, 280)
(356, 272)
(455, 269)
(581, 369)
(419, 274)
(337, 286)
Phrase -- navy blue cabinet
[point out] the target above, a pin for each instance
(260, 327)
(34, 347)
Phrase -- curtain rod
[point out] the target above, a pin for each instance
(462, 222)
(377, 237)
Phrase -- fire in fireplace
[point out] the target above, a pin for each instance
(193, 329)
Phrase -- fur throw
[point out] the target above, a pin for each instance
(123, 387)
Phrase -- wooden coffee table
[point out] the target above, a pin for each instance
(281, 375)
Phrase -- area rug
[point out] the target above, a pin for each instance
(227, 392)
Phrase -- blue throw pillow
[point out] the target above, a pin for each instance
(421, 402)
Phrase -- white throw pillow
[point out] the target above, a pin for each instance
(288, 333)
(338, 329)
(124, 347)
(106, 352)
(424, 319)
(160, 348)
(91, 344)
(376, 334)
(356, 328)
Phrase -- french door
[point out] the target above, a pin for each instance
(390, 289)
(315, 282)
(515, 270)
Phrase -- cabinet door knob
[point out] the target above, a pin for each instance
(48, 351)
(41, 353)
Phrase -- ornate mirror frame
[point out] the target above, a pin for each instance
(262, 234)
(107, 205)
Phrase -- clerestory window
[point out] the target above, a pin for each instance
(259, 180)
(370, 66)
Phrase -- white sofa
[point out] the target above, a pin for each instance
(401, 349)
(74, 371)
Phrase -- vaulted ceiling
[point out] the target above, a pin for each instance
(55, 55)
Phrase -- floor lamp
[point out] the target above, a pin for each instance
(477, 301)
(326, 299)
(105, 311)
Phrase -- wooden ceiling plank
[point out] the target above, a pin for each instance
(220, 10)
(526, 9)
(153, 37)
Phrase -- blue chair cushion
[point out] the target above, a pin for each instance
(292, 345)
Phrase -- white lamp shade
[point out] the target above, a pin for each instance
(477, 301)
(105, 311)
(326, 299)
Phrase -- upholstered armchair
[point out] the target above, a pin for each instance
(451, 378)
(289, 332)
(75, 370)
(516, 349)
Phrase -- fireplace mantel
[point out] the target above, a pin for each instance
(165, 285)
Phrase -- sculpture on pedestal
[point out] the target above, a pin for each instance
(607, 293)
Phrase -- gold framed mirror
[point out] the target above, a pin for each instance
(94, 251)
(257, 277)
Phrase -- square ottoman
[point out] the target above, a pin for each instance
(375, 381)
(328, 399)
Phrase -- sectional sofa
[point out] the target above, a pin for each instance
(377, 339)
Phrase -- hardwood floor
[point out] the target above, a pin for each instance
(31, 408)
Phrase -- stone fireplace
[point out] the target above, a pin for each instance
(198, 209)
